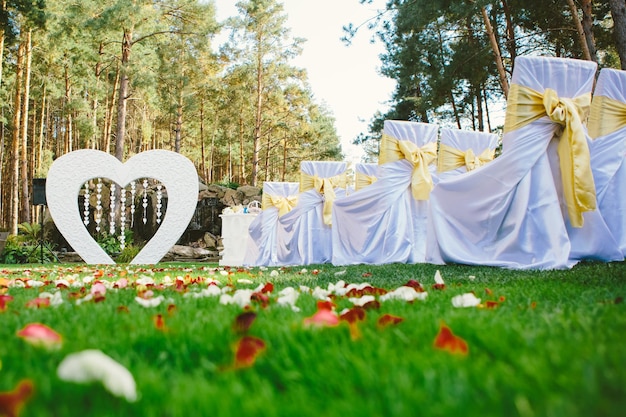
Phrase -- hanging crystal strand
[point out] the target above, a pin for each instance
(133, 191)
(86, 205)
(122, 237)
(98, 214)
(159, 195)
(112, 213)
(145, 201)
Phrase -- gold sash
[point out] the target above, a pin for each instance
(324, 186)
(362, 180)
(607, 116)
(526, 105)
(452, 158)
(283, 204)
(392, 149)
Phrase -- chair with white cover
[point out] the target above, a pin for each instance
(533, 207)
(607, 129)
(304, 234)
(386, 222)
(364, 175)
(462, 151)
(279, 198)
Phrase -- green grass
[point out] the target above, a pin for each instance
(554, 347)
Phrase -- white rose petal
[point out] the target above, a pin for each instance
(438, 279)
(34, 284)
(274, 273)
(404, 293)
(150, 302)
(465, 300)
(94, 366)
(361, 301)
(288, 296)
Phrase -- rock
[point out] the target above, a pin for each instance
(189, 252)
(232, 198)
(210, 240)
(249, 191)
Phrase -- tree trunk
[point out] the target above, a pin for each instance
(242, 155)
(122, 98)
(15, 141)
(618, 11)
(25, 180)
(42, 126)
(179, 120)
(3, 6)
(504, 83)
(108, 121)
(256, 141)
(511, 44)
(587, 7)
(579, 30)
(68, 146)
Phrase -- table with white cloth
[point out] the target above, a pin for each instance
(235, 237)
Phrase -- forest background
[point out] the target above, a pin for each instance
(125, 76)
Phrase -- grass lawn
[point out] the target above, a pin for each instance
(550, 343)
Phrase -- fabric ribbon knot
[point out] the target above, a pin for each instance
(607, 116)
(526, 105)
(362, 180)
(392, 149)
(326, 187)
(452, 158)
(283, 204)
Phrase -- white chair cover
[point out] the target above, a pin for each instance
(510, 212)
(608, 149)
(261, 248)
(465, 140)
(302, 236)
(364, 175)
(383, 223)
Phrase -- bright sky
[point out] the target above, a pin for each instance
(345, 78)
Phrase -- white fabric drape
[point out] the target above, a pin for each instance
(475, 146)
(511, 212)
(303, 237)
(608, 119)
(261, 247)
(384, 223)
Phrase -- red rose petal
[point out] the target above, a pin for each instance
(446, 340)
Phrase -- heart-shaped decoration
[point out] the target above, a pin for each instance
(69, 172)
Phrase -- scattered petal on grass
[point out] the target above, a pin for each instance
(248, 348)
(38, 303)
(465, 300)
(388, 320)
(361, 301)
(159, 322)
(491, 304)
(353, 316)
(94, 366)
(239, 297)
(323, 318)
(4, 300)
(98, 288)
(12, 402)
(404, 293)
(150, 302)
(446, 340)
(288, 296)
(244, 281)
(55, 298)
(243, 321)
(274, 273)
(439, 284)
(338, 273)
(38, 334)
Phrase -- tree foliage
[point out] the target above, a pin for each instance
(125, 76)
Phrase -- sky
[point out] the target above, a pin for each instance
(344, 78)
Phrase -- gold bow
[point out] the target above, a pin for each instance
(607, 116)
(392, 149)
(283, 204)
(363, 180)
(326, 187)
(526, 105)
(452, 158)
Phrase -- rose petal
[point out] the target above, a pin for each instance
(38, 334)
(92, 365)
(4, 300)
(388, 319)
(446, 340)
(465, 300)
(247, 350)
(12, 402)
